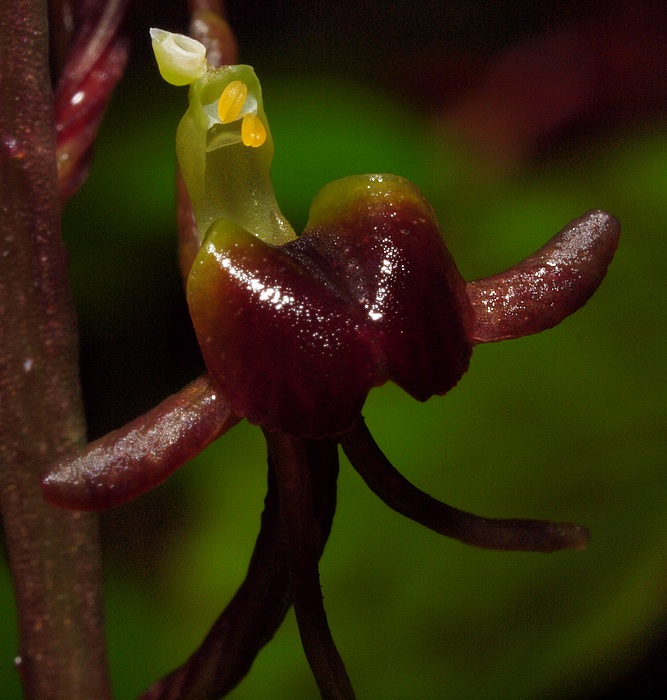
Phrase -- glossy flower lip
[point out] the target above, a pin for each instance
(296, 335)
(180, 59)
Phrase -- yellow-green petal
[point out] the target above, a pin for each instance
(225, 176)
(181, 60)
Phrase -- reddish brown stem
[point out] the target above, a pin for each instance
(490, 533)
(548, 286)
(217, 6)
(142, 454)
(53, 555)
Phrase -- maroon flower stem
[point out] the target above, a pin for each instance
(53, 555)
(133, 459)
(261, 603)
(303, 542)
(490, 533)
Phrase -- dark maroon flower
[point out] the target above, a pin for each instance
(295, 331)
(296, 335)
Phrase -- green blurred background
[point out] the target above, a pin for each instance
(567, 425)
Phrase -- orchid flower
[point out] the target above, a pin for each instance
(295, 331)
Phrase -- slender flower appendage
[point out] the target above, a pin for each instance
(295, 331)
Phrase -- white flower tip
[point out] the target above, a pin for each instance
(180, 59)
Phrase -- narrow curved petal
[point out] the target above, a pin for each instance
(490, 533)
(259, 606)
(303, 543)
(542, 290)
(245, 626)
(124, 463)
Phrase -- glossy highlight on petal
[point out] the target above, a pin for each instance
(297, 335)
(273, 339)
(124, 463)
(548, 286)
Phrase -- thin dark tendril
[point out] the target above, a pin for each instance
(490, 533)
(246, 625)
(303, 543)
(261, 603)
